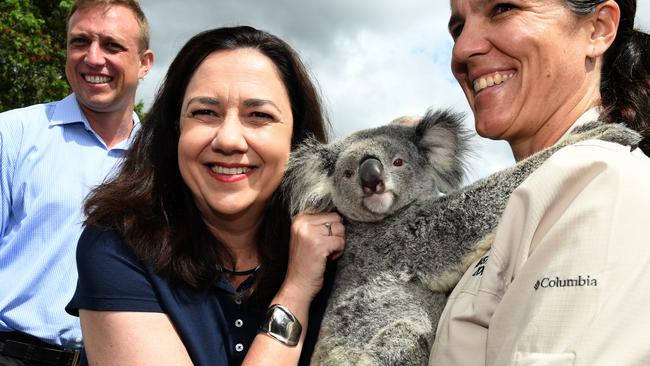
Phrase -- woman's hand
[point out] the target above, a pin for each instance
(315, 238)
(311, 246)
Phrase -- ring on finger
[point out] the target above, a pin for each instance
(328, 225)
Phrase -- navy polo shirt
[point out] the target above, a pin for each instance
(216, 325)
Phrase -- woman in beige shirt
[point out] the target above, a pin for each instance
(566, 281)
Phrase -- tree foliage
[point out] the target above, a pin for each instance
(32, 52)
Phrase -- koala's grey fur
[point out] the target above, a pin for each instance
(398, 265)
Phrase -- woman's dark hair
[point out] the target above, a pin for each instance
(625, 76)
(148, 203)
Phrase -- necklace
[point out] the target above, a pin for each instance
(232, 272)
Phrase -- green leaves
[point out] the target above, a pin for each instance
(32, 52)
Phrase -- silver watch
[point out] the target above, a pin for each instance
(281, 325)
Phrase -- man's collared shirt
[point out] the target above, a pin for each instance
(50, 158)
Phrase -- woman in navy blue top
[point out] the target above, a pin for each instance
(122, 283)
(189, 255)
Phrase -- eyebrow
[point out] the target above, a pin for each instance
(102, 37)
(204, 100)
(260, 102)
(107, 38)
(455, 17)
(254, 102)
(76, 35)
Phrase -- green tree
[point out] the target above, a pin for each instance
(32, 52)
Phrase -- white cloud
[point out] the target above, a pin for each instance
(643, 15)
(373, 60)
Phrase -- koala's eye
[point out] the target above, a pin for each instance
(348, 173)
(398, 162)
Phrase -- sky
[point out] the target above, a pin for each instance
(373, 60)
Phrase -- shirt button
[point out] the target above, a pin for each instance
(239, 323)
(239, 347)
(238, 301)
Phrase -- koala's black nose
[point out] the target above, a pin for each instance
(370, 172)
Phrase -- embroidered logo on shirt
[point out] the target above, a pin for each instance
(480, 266)
(580, 281)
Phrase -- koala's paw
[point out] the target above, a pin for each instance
(400, 343)
(403, 345)
(343, 356)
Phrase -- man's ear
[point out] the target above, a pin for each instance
(604, 21)
(146, 62)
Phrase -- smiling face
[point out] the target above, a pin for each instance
(235, 135)
(103, 58)
(523, 67)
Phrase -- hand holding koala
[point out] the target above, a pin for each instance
(406, 247)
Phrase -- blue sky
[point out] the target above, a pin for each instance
(373, 60)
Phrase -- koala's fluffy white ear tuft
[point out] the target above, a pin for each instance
(443, 136)
(306, 186)
(408, 121)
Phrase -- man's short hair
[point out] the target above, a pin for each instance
(132, 5)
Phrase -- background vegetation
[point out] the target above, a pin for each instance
(32, 52)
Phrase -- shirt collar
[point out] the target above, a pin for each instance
(592, 114)
(136, 127)
(67, 111)
(224, 284)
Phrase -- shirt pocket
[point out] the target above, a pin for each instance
(544, 359)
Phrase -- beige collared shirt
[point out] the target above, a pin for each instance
(567, 281)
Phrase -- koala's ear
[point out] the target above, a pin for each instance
(442, 135)
(408, 121)
(307, 186)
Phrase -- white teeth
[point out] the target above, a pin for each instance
(97, 79)
(482, 84)
(491, 80)
(229, 171)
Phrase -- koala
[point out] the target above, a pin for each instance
(368, 177)
(406, 245)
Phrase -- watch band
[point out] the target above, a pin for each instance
(281, 325)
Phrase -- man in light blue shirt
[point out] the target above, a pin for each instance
(51, 155)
